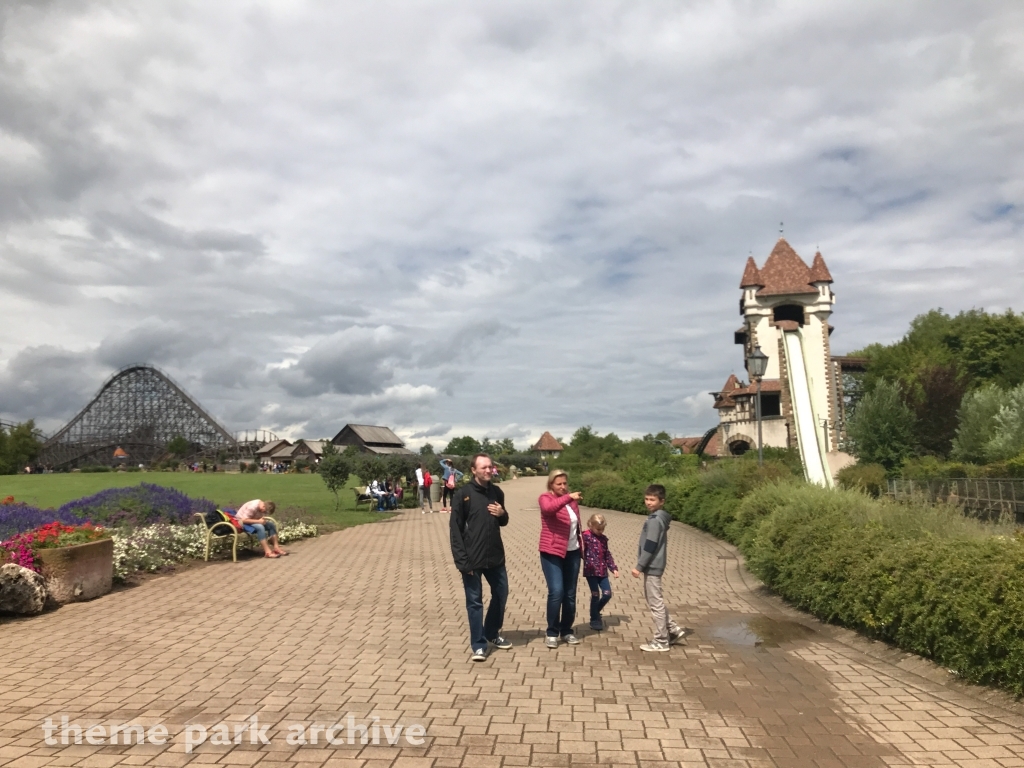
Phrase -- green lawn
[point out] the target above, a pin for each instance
(301, 497)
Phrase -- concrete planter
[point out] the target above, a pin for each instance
(81, 572)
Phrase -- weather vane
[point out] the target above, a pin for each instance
(780, 229)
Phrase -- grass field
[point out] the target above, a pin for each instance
(298, 497)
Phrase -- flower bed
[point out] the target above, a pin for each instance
(151, 527)
(137, 506)
(22, 548)
(17, 518)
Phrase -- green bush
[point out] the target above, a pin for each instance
(869, 478)
(97, 468)
(924, 577)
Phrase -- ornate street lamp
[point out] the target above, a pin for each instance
(757, 364)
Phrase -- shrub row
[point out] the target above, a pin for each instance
(922, 577)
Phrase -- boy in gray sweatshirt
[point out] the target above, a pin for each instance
(650, 561)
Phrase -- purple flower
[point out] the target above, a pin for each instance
(18, 518)
(144, 504)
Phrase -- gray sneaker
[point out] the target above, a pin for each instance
(679, 638)
(551, 642)
(571, 639)
(479, 655)
(654, 647)
(500, 642)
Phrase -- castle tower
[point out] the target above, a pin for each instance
(786, 307)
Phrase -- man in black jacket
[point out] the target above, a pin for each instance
(478, 514)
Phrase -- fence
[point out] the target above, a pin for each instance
(981, 497)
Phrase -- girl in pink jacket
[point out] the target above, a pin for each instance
(561, 549)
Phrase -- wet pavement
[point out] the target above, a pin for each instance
(366, 628)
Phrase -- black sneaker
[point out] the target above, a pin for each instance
(500, 642)
(679, 638)
(479, 655)
(597, 625)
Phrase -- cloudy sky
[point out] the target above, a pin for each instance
(488, 218)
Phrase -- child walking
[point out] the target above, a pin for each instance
(651, 558)
(597, 564)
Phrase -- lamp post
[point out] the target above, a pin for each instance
(757, 364)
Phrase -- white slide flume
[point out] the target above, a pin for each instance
(812, 452)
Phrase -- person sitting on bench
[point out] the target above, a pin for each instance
(252, 516)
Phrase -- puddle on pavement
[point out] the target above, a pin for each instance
(762, 632)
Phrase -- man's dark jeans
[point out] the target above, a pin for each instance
(561, 574)
(483, 629)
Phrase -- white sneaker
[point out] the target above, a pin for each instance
(571, 639)
(551, 642)
(654, 647)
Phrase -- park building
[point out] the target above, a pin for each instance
(786, 306)
(371, 439)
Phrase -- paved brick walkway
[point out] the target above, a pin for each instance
(370, 622)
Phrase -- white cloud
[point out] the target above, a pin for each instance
(484, 217)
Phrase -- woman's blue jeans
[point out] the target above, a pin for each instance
(561, 574)
(262, 530)
(600, 594)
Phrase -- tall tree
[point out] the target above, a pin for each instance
(883, 428)
(463, 446)
(976, 423)
(938, 397)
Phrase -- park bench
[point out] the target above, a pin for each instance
(363, 496)
(225, 530)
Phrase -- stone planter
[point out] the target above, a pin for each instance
(81, 572)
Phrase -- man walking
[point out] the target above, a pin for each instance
(478, 514)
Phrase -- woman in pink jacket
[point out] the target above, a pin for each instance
(561, 549)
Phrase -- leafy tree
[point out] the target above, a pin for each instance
(179, 446)
(976, 423)
(463, 446)
(427, 450)
(19, 447)
(883, 428)
(335, 469)
(940, 392)
(1008, 440)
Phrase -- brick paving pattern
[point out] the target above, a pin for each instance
(370, 622)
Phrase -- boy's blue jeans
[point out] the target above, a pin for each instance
(561, 574)
(600, 594)
(482, 629)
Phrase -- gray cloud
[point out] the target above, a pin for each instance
(495, 217)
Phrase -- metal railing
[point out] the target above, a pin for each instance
(983, 497)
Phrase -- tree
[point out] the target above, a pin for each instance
(179, 446)
(1008, 439)
(427, 450)
(335, 469)
(463, 446)
(882, 429)
(976, 423)
(19, 448)
(940, 393)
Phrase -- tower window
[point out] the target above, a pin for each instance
(771, 404)
(792, 312)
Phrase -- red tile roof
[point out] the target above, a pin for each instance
(786, 273)
(547, 442)
(751, 277)
(819, 272)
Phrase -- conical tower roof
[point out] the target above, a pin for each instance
(819, 272)
(785, 272)
(751, 276)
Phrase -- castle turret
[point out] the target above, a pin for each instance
(784, 296)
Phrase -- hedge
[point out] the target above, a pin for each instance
(922, 577)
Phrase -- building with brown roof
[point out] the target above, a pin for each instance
(371, 439)
(547, 446)
(786, 306)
